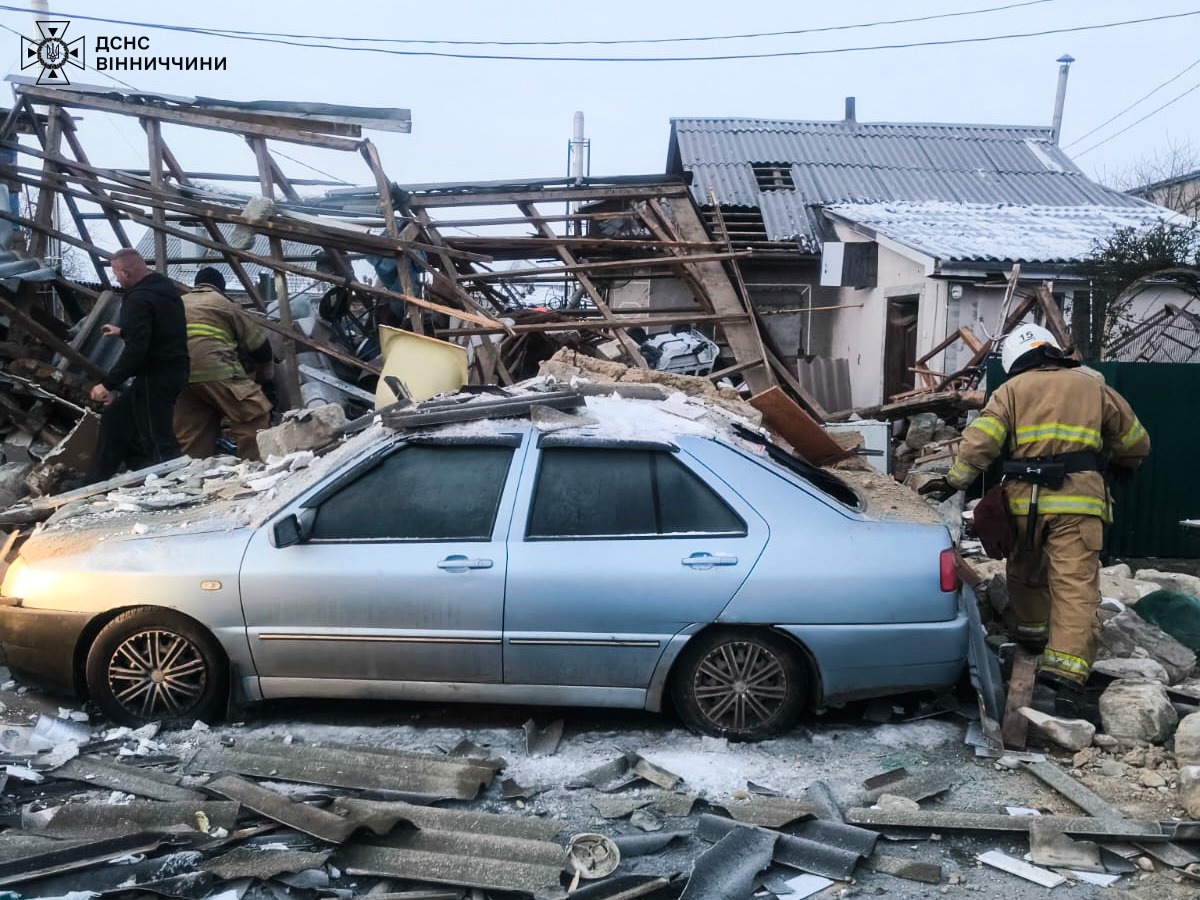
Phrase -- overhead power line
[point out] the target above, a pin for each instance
(579, 43)
(627, 59)
(1152, 112)
(1139, 100)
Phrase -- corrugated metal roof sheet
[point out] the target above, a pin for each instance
(836, 162)
(957, 232)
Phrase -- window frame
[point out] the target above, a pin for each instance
(668, 450)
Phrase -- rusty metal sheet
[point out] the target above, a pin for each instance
(103, 773)
(430, 818)
(263, 862)
(488, 862)
(362, 768)
(82, 819)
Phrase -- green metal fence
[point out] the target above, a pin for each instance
(1166, 489)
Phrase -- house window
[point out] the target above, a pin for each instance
(773, 176)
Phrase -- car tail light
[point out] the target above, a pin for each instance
(949, 570)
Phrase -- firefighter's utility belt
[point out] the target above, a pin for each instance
(1049, 472)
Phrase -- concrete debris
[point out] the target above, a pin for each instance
(1187, 741)
(892, 803)
(302, 429)
(1050, 847)
(1070, 734)
(1189, 790)
(911, 869)
(1132, 668)
(1127, 635)
(1138, 710)
(1178, 582)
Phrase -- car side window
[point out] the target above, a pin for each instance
(612, 492)
(419, 493)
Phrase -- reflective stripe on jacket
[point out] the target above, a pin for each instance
(216, 330)
(1047, 412)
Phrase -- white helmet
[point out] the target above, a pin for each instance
(1021, 340)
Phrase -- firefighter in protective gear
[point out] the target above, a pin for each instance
(218, 334)
(1059, 427)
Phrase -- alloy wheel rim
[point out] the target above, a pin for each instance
(740, 685)
(157, 673)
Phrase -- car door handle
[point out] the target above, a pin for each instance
(462, 563)
(708, 560)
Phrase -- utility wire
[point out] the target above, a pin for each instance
(1146, 96)
(647, 59)
(670, 40)
(1194, 87)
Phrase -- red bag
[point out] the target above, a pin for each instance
(995, 525)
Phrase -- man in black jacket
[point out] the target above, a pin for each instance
(136, 428)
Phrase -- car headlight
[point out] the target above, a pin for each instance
(26, 582)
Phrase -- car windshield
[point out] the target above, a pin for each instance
(826, 482)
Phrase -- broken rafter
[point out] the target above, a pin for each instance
(576, 267)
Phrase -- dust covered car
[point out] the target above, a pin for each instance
(631, 556)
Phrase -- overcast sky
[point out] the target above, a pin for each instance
(483, 119)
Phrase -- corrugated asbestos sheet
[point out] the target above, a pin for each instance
(1001, 232)
(856, 162)
(1147, 510)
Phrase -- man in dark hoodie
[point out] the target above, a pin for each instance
(136, 428)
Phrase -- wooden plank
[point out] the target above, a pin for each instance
(291, 380)
(47, 195)
(575, 266)
(1020, 691)
(50, 339)
(968, 338)
(1053, 316)
(618, 321)
(548, 195)
(183, 117)
(81, 158)
(789, 420)
(743, 339)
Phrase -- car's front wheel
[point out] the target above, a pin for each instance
(742, 684)
(155, 665)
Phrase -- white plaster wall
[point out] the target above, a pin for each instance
(858, 333)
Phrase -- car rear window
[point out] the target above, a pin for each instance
(590, 492)
(826, 482)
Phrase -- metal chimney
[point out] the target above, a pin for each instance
(577, 146)
(1061, 97)
(850, 120)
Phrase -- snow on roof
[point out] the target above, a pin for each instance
(959, 232)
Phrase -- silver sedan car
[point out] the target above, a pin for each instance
(639, 560)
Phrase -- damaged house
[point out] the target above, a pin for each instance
(870, 243)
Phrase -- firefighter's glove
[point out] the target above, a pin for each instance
(938, 489)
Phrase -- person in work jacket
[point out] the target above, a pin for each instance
(1060, 427)
(218, 388)
(135, 427)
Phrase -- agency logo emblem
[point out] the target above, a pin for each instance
(53, 53)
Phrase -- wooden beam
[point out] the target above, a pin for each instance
(550, 195)
(154, 147)
(618, 321)
(627, 343)
(47, 195)
(314, 344)
(81, 159)
(213, 122)
(50, 339)
(575, 266)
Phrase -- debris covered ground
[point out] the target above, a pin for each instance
(899, 797)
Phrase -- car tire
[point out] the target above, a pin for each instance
(743, 684)
(155, 665)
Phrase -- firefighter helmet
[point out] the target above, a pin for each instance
(1021, 340)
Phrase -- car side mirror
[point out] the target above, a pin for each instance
(293, 529)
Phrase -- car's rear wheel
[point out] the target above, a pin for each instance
(742, 684)
(155, 665)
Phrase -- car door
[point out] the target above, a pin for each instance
(399, 578)
(614, 549)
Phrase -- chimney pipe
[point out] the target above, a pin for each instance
(1061, 97)
(850, 111)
